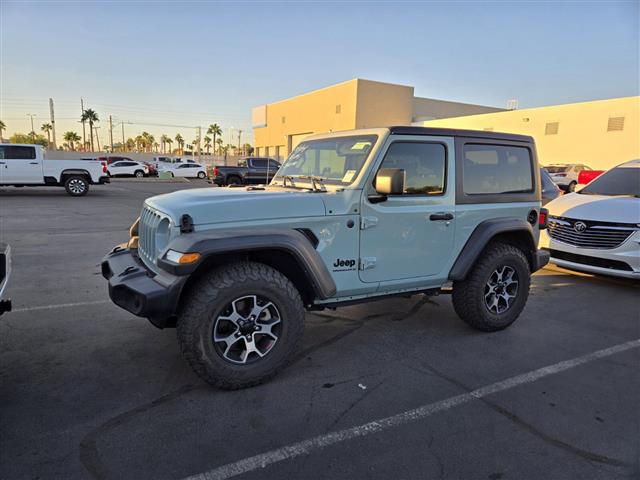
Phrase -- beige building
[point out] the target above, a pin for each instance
(278, 127)
(600, 133)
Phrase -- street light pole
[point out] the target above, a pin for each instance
(33, 132)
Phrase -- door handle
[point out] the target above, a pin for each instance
(33, 163)
(2, 163)
(441, 216)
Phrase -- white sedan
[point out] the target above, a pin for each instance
(597, 229)
(127, 167)
(189, 170)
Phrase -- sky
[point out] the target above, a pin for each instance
(166, 67)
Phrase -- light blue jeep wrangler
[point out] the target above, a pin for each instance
(350, 217)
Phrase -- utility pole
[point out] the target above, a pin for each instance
(53, 124)
(97, 139)
(84, 133)
(199, 141)
(239, 136)
(33, 132)
(111, 132)
(124, 145)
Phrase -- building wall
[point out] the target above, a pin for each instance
(577, 132)
(357, 103)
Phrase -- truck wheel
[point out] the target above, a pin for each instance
(76, 185)
(240, 324)
(139, 173)
(233, 180)
(495, 290)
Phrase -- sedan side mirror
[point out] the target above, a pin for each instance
(389, 181)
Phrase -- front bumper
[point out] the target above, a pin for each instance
(540, 259)
(138, 290)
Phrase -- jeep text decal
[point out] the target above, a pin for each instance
(344, 265)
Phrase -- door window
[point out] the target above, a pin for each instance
(496, 169)
(424, 165)
(259, 163)
(11, 152)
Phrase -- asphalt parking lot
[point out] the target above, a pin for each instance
(90, 391)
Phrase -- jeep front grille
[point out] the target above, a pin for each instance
(149, 220)
(589, 234)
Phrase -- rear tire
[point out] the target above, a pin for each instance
(201, 175)
(240, 324)
(233, 180)
(496, 289)
(76, 185)
(572, 187)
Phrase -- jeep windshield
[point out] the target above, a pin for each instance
(330, 161)
(617, 181)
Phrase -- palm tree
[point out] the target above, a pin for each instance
(3, 127)
(163, 141)
(179, 140)
(46, 127)
(71, 138)
(92, 117)
(169, 142)
(207, 143)
(215, 130)
(219, 142)
(130, 144)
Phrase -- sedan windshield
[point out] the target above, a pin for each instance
(334, 161)
(617, 181)
(556, 169)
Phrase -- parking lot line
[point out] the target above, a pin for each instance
(59, 305)
(305, 447)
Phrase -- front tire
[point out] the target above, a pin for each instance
(201, 175)
(139, 174)
(240, 324)
(496, 289)
(76, 186)
(572, 187)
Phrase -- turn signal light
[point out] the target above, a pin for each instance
(182, 258)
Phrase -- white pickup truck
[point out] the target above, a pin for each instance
(26, 166)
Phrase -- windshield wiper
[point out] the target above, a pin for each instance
(314, 179)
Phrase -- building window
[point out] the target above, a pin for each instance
(338, 108)
(551, 128)
(615, 124)
(284, 119)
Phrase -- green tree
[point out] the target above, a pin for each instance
(207, 143)
(169, 142)
(31, 138)
(219, 142)
(163, 142)
(130, 144)
(71, 138)
(247, 149)
(214, 130)
(46, 127)
(3, 127)
(179, 141)
(92, 117)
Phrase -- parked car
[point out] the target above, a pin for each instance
(188, 170)
(597, 229)
(350, 217)
(565, 175)
(26, 166)
(550, 191)
(5, 273)
(250, 170)
(167, 163)
(127, 168)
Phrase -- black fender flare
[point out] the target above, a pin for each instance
(75, 171)
(215, 243)
(484, 233)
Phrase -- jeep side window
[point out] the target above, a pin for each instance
(496, 169)
(424, 165)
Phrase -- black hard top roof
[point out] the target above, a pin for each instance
(455, 132)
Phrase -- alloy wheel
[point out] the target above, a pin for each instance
(76, 186)
(247, 329)
(501, 289)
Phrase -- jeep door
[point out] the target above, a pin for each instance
(411, 235)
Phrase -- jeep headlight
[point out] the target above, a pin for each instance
(162, 234)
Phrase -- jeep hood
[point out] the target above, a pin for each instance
(604, 208)
(219, 205)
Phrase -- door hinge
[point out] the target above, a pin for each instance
(367, 263)
(368, 222)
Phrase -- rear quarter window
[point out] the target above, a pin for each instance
(497, 169)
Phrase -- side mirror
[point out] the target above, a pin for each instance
(389, 181)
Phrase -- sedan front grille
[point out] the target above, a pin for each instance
(589, 234)
(149, 221)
